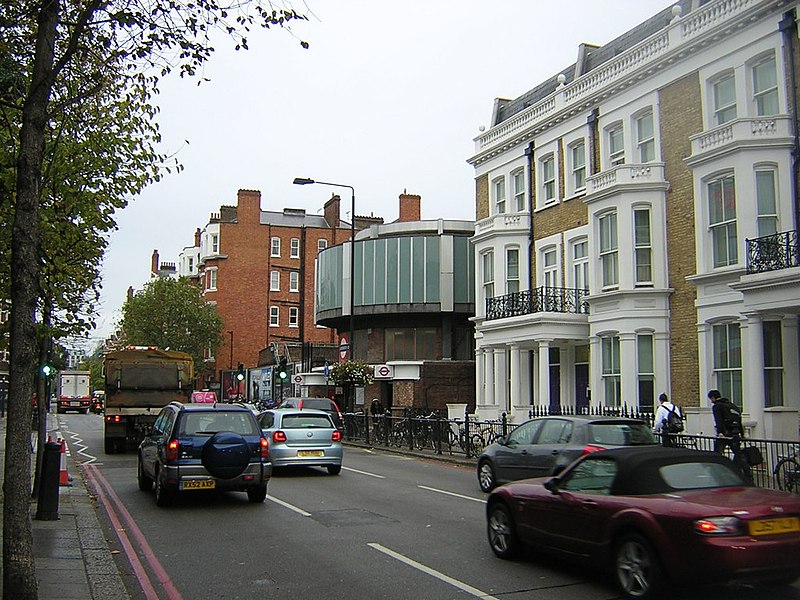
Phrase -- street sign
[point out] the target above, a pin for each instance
(344, 348)
(383, 371)
(298, 379)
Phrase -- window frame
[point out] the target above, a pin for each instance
(499, 193)
(512, 277)
(763, 217)
(608, 255)
(611, 370)
(727, 363)
(274, 316)
(294, 281)
(720, 112)
(294, 248)
(518, 184)
(646, 144)
(322, 244)
(726, 226)
(580, 264)
(549, 179)
(549, 269)
(487, 274)
(577, 171)
(274, 281)
(294, 316)
(211, 279)
(616, 133)
(275, 247)
(642, 248)
(771, 92)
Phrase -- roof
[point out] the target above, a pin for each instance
(593, 57)
(293, 218)
(638, 467)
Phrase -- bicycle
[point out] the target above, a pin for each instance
(787, 473)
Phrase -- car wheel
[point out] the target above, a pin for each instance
(334, 469)
(502, 532)
(257, 493)
(636, 568)
(109, 446)
(145, 483)
(226, 455)
(163, 495)
(486, 477)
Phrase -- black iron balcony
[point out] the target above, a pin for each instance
(772, 252)
(542, 299)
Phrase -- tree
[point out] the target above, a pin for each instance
(58, 56)
(172, 314)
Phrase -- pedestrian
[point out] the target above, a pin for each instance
(666, 421)
(730, 430)
(376, 408)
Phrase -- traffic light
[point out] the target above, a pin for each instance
(240, 373)
(47, 370)
(283, 370)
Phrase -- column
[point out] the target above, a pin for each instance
(514, 379)
(480, 367)
(629, 371)
(490, 397)
(791, 368)
(544, 374)
(753, 374)
(501, 380)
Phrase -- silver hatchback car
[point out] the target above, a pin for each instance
(302, 438)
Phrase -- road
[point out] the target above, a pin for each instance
(389, 526)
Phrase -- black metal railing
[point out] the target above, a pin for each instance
(433, 434)
(773, 252)
(542, 299)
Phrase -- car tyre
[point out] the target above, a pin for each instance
(109, 446)
(637, 571)
(226, 455)
(257, 493)
(334, 469)
(163, 495)
(502, 532)
(486, 476)
(145, 483)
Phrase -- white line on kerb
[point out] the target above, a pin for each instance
(299, 511)
(433, 572)
(430, 489)
(363, 473)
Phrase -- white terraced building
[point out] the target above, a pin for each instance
(637, 219)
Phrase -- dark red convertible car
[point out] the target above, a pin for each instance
(649, 514)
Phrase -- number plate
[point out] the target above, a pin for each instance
(74, 403)
(310, 453)
(774, 526)
(198, 484)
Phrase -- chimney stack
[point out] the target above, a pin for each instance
(409, 208)
(332, 211)
(197, 238)
(154, 263)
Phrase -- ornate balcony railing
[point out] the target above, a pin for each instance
(773, 252)
(542, 299)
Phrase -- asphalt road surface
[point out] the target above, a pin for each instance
(388, 527)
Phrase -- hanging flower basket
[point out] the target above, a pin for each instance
(351, 371)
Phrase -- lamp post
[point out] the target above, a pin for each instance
(306, 181)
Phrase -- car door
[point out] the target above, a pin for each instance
(575, 517)
(150, 443)
(511, 456)
(550, 448)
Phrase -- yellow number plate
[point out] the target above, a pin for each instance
(310, 453)
(198, 484)
(774, 526)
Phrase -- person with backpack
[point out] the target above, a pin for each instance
(730, 430)
(668, 421)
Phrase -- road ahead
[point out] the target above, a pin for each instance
(388, 527)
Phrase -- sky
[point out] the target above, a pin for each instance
(388, 98)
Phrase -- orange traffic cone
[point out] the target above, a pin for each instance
(63, 474)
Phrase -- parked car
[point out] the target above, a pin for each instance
(546, 445)
(326, 404)
(302, 437)
(653, 516)
(204, 447)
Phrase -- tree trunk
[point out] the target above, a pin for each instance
(19, 574)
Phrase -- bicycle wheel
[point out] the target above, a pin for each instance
(787, 475)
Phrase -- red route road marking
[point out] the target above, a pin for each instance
(108, 496)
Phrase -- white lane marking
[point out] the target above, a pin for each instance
(430, 489)
(299, 511)
(364, 473)
(81, 447)
(433, 572)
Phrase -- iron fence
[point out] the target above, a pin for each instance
(773, 252)
(433, 433)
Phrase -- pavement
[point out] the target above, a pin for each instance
(73, 558)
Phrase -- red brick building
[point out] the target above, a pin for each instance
(258, 267)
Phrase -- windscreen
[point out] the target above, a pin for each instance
(620, 434)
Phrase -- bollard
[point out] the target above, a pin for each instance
(47, 502)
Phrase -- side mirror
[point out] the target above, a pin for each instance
(552, 485)
(501, 440)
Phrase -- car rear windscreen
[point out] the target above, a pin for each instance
(620, 434)
(304, 421)
(209, 423)
(318, 404)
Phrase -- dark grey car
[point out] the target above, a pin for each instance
(544, 446)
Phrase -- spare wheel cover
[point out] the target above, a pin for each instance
(226, 455)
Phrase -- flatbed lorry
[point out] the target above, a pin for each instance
(139, 382)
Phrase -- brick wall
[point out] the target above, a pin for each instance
(681, 116)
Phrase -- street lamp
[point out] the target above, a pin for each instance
(306, 181)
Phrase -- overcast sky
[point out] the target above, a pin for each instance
(388, 98)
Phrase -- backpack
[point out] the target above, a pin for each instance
(674, 422)
(733, 420)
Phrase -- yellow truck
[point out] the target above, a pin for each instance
(139, 382)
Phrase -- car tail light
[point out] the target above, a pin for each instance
(278, 436)
(589, 449)
(718, 526)
(113, 419)
(336, 436)
(172, 450)
(264, 447)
